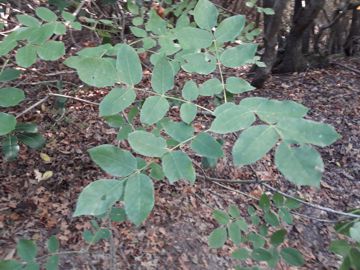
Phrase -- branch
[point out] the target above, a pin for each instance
(326, 209)
(32, 106)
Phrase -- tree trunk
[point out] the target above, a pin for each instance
(293, 59)
(272, 25)
(352, 45)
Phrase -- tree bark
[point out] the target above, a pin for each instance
(293, 59)
(352, 45)
(272, 25)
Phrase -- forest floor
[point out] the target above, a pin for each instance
(175, 234)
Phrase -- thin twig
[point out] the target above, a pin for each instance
(33, 106)
(75, 98)
(327, 209)
(230, 181)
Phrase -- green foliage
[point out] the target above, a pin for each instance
(348, 249)
(260, 239)
(26, 251)
(196, 42)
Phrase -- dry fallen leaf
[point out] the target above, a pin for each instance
(45, 158)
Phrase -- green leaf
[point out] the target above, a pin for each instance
(257, 240)
(234, 211)
(230, 28)
(205, 145)
(124, 132)
(51, 50)
(301, 165)
(59, 28)
(76, 25)
(292, 203)
(275, 258)
(240, 254)
(217, 238)
(354, 255)
(138, 32)
(11, 96)
(190, 91)
(28, 20)
(53, 244)
(307, 131)
(162, 78)
(96, 52)
(7, 123)
(242, 224)
(278, 237)
(272, 111)
(156, 171)
(52, 263)
(193, 38)
(98, 72)
(10, 265)
(100, 234)
(113, 160)
(168, 46)
(292, 256)
(235, 233)
(201, 63)
(137, 21)
(97, 197)
(253, 143)
(117, 100)
(355, 232)
(278, 199)
(45, 14)
(237, 85)
(9, 74)
(139, 198)
(118, 214)
(239, 55)
(232, 119)
(155, 23)
(41, 34)
(6, 46)
(177, 165)
(260, 254)
(26, 56)
(10, 147)
(68, 16)
(33, 140)
(205, 14)
(188, 112)
(32, 266)
(147, 144)
(264, 202)
(221, 217)
(178, 130)
(26, 127)
(341, 247)
(154, 109)
(211, 87)
(128, 65)
(26, 250)
(286, 215)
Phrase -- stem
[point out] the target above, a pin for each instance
(75, 98)
(220, 70)
(32, 106)
(175, 98)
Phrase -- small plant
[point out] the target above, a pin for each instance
(27, 250)
(259, 236)
(349, 248)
